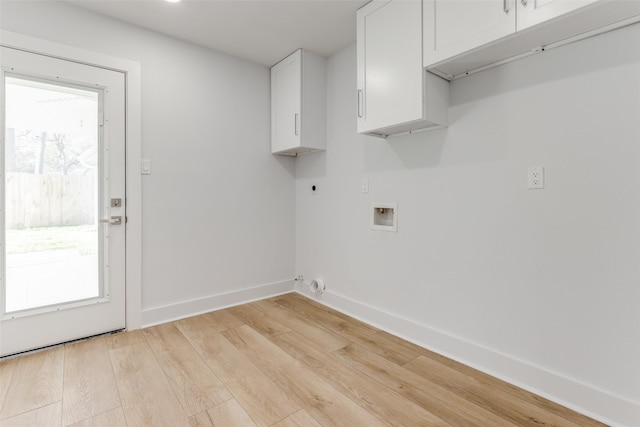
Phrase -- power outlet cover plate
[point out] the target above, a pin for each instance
(536, 177)
(364, 185)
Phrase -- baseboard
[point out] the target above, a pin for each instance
(598, 404)
(181, 310)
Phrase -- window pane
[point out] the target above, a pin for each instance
(51, 194)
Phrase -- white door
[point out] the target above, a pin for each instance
(456, 26)
(532, 12)
(390, 75)
(62, 204)
(286, 101)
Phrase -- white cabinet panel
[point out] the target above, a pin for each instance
(456, 26)
(533, 12)
(391, 80)
(286, 87)
(298, 104)
(461, 36)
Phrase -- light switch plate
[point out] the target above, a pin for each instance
(146, 167)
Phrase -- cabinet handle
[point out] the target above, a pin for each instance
(524, 3)
(360, 103)
(505, 6)
(295, 124)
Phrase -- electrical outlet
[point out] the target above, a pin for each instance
(536, 177)
(365, 185)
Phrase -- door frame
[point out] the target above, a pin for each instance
(133, 152)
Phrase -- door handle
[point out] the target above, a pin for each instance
(505, 6)
(360, 103)
(296, 127)
(115, 220)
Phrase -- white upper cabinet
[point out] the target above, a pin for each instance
(456, 26)
(395, 94)
(465, 35)
(298, 104)
(533, 12)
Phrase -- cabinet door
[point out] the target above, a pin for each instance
(390, 75)
(452, 27)
(286, 96)
(532, 12)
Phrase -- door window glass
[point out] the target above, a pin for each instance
(51, 156)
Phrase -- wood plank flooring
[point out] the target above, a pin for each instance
(283, 362)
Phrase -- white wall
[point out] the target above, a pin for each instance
(218, 209)
(538, 287)
(541, 287)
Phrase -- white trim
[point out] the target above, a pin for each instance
(131, 69)
(589, 400)
(169, 313)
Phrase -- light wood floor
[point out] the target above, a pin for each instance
(283, 362)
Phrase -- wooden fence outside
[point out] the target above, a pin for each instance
(49, 200)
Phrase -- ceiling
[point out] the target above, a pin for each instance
(261, 31)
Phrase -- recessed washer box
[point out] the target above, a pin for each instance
(384, 217)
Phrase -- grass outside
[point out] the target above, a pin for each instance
(83, 238)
